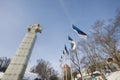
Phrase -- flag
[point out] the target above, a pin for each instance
(66, 50)
(70, 39)
(60, 60)
(61, 57)
(80, 33)
(73, 43)
(73, 46)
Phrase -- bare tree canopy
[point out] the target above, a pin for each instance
(103, 42)
(44, 69)
(4, 62)
(107, 36)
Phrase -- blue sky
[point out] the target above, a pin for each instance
(55, 17)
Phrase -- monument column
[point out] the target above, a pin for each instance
(18, 64)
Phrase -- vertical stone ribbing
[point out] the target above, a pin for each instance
(17, 67)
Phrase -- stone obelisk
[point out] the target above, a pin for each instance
(17, 67)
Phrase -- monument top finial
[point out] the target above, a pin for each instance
(35, 28)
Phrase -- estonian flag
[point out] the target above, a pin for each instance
(66, 50)
(61, 57)
(60, 60)
(80, 33)
(73, 43)
(70, 39)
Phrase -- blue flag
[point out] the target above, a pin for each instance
(70, 39)
(80, 33)
(73, 43)
(66, 50)
(61, 57)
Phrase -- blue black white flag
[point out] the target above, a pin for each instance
(60, 60)
(66, 50)
(80, 33)
(61, 57)
(70, 39)
(73, 43)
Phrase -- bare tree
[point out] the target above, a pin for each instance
(44, 69)
(107, 36)
(4, 62)
(103, 42)
(93, 59)
(75, 58)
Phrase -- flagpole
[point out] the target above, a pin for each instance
(78, 58)
(71, 65)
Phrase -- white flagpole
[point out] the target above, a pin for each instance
(70, 65)
(78, 58)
